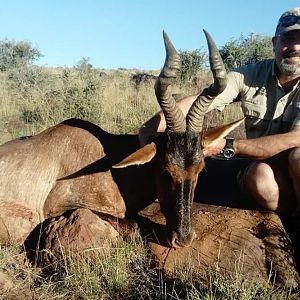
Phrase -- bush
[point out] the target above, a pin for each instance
(15, 54)
(81, 93)
(24, 79)
(191, 63)
(246, 50)
(46, 98)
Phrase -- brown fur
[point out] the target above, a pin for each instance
(190, 173)
(32, 173)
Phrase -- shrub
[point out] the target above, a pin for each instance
(14, 54)
(191, 63)
(46, 98)
(246, 50)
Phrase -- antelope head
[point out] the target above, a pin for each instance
(178, 152)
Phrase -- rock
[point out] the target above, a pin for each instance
(80, 231)
(16, 222)
(230, 240)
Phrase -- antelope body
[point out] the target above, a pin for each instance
(77, 164)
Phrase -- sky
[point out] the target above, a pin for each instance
(128, 33)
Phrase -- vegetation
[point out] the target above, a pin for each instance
(191, 63)
(15, 54)
(246, 50)
(33, 98)
(125, 272)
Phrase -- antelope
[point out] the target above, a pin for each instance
(77, 164)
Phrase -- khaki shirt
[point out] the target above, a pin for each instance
(268, 110)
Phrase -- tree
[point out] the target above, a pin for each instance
(246, 50)
(14, 54)
(191, 62)
(84, 64)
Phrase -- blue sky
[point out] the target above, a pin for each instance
(128, 33)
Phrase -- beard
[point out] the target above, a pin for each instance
(289, 67)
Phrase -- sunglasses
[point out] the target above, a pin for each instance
(289, 21)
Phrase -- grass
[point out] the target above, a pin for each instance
(35, 98)
(125, 272)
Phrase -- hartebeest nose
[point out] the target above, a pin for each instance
(178, 241)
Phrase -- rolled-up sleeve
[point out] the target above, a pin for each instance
(297, 119)
(231, 92)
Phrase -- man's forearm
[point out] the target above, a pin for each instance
(267, 146)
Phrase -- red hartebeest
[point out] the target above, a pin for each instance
(70, 165)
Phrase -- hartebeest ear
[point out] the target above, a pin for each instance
(138, 157)
(217, 133)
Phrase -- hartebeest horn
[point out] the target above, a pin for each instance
(197, 111)
(175, 120)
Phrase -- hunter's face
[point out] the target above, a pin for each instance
(287, 52)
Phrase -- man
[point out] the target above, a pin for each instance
(270, 94)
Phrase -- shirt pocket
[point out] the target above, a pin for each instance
(291, 113)
(255, 110)
(255, 107)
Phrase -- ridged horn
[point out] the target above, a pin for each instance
(175, 121)
(197, 111)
